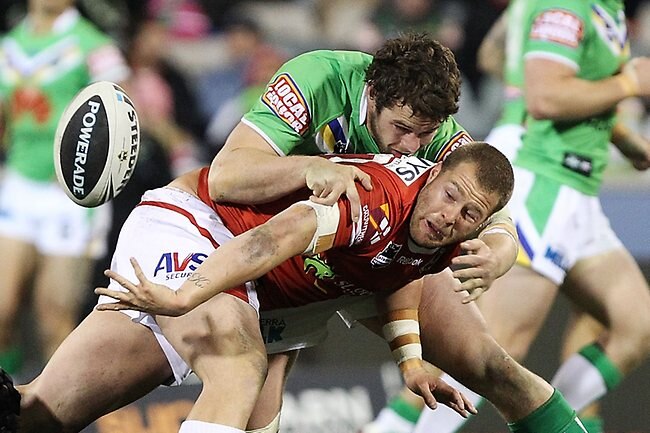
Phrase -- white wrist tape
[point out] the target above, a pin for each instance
(327, 222)
(402, 332)
(499, 230)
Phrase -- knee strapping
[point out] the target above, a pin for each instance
(273, 427)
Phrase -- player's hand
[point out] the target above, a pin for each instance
(328, 181)
(638, 70)
(433, 390)
(145, 296)
(476, 269)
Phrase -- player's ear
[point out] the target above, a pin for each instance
(434, 172)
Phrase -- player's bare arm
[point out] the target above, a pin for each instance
(244, 258)
(492, 51)
(632, 145)
(248, 170)
(487, 257)
(400, 327)
(553, 91)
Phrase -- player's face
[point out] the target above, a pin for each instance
(450, 207)
(397, 131)
(50, 7)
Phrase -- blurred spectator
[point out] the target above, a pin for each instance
(166, 107)
(257, 72)
(183, 18)
(48, 242)
(242, 38)
(441, 19)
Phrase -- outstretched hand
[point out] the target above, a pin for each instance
(328, 181)
(476, 270)
(433, 390)
(145, 296)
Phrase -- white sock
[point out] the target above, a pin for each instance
(444, 419)
(194, 426)
(580, 382)
(388, 421)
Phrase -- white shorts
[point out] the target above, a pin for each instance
(506, 138)
(40, 213)
(301, 327)
(557, 225)
(169, 247)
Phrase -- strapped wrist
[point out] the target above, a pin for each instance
(402, 332)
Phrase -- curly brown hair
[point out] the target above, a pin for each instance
(417, 71)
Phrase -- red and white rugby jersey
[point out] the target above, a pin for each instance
(371, 255)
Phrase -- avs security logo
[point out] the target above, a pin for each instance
(284, 98)
(174, 268)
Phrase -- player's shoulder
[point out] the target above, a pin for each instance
(579, 8)
(320, 66)
(90, 36)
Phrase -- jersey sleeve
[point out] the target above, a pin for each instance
(104, 59)
(450, 135)
(556, 31)
(296, 101)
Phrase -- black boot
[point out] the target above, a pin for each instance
(9, 404)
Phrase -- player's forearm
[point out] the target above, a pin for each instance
(251, 176)
(249, 256)
(569, 97)
(630, 143)
(491, 52)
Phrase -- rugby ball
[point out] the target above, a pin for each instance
(96, 144)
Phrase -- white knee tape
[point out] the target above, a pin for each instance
(273, 427)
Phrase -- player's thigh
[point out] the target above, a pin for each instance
(107, 362)
(612, 288)
(516, 307)
(452, 333)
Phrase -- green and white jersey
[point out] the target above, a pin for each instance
(317, 103)
(39, 75)
(591, 37)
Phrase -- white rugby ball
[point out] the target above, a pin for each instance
(96, 144)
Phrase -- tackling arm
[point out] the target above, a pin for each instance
(244, 258)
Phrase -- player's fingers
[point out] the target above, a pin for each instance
(120, 280)
(468, 273)
(364, 178)
(427, 395)
(114, 306)
(471, 260)
(474, 295)
(472, 284)
(355, 202)
(138, 270)
(115, 294)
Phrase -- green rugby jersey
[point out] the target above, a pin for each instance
(39, 75)
(590, 36)
(316, 103)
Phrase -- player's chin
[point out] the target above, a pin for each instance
(425, 240)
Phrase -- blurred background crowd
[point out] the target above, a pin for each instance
(197, 65)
